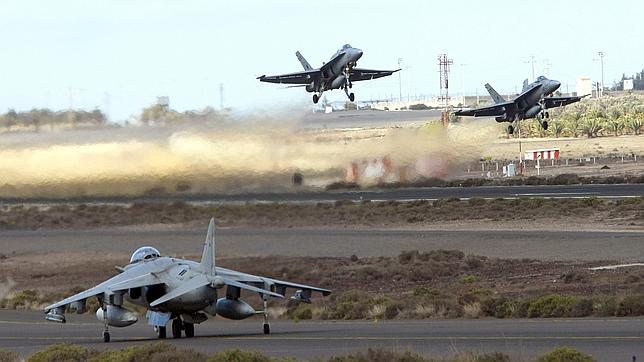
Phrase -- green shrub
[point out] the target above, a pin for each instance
(302, 312)
(149, 353)
(237, 355)
(469, 279)
(631, 305)
(60, 352)
(379, 355)
(565, 354)
(8, 356)
(582, 307)
(605, 307)
(551, 306)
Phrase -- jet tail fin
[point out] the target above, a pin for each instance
(303, 61)
(525, 85)
(208, 256)
(496, 97)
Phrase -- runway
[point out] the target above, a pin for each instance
(606, 339)
(618, 191)
(542, 244)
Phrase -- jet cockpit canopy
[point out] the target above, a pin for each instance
(144, 253)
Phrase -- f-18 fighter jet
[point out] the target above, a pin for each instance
(338, 73)
(534, 101)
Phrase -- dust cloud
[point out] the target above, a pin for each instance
(244, 153)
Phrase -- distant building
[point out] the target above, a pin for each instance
(628, 84)
(584, 86)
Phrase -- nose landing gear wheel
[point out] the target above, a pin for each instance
(176, 328)
(315, 98)
(189, 329)
(510, 130)
(352, 97)
(106, 337)
(544, 125)
(160, 332)
(267, 328)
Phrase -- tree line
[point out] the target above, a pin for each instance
(607, 116)
(39, 117)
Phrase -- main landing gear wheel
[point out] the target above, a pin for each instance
(510, 129)
(176, 328)
(352, 97)
(160, 332)
(267, 327)
(544, 124)
(106, 336)
(315, 98)
(189, 328)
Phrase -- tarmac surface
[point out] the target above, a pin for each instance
(542, 244)
(618, 191)
(606, 339)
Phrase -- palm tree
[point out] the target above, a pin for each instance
(592, 125)
(635, 123)
(557, 127)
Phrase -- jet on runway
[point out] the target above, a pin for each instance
(534, 100)
(338, 73)
(177, 289)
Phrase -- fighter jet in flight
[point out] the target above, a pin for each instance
(338, 73)
(177, 289)
(534, 101)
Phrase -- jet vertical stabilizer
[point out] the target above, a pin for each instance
(496, 97)
(526, 86)
(303, 61)
(208, 256)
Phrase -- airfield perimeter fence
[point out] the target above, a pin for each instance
(495, 168)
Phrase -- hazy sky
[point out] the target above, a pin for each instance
(118, 55)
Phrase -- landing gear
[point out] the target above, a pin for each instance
(189, 329)
(352, 97)
(267, 327)
(316, 98)
(160, 332)
(510, 129)
(176, 328)
(106, 330)
(544, 124)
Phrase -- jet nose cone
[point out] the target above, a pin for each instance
(358, 53)
(555, 85)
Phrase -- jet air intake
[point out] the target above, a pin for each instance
(533, 111)
(338, 82)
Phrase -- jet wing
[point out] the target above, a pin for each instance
(129, 278)
(305, 77)
(358, 74)
(494, 110)
(553, 102)
(260, 282)
(520, 101)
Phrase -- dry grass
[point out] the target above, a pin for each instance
(628, 212)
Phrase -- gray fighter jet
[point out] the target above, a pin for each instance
(177, 289)
(338, 73)
(534, 100)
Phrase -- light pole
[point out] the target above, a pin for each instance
(531, 61)
(400, 80)
(601, 61)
